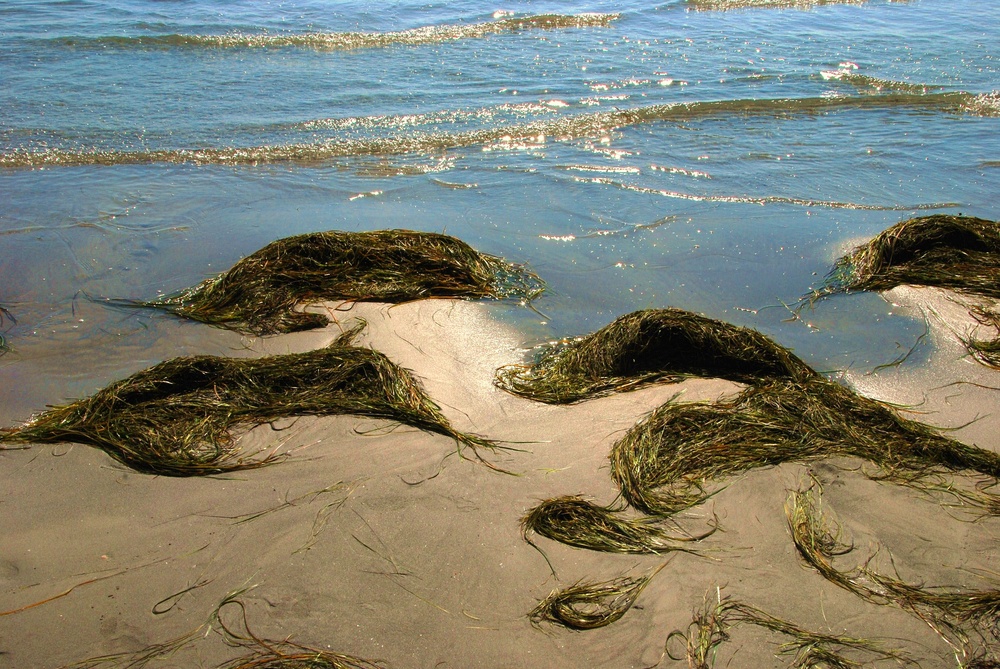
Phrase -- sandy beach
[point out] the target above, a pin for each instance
(386, 543)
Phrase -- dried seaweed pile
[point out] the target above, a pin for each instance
(647, 346)
(664, 463)
(258, 295)
(178, 417)
(957, 252)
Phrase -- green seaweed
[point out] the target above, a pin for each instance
(590, 605)
(649, 346)
(666, 462)
(574, 521)
(260, 293)
(961, 253)
(711, 624)
(177, 418)
(946, 609)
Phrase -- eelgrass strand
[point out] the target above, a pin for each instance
(818, 539)
(986, 351)
(178, 417)
(711, 627)
(574, 521)
(590, 605)
(270, 654)
(260, 293)
(643, 347)
(955, 609)
(669, 461)
(293, 656)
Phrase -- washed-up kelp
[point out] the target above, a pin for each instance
(258, 295)
(818, 541)
(586, 606)
(664, 463)
(710, 628)
(574, 521)
(961, 253)
(655, 345)
(177, 418)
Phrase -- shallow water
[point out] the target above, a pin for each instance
(634, 156)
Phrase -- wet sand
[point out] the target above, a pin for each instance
(385, 543)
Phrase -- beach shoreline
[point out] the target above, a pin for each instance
(385, 543)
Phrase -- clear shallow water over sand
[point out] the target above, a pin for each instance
(651, 155)
(711, 160)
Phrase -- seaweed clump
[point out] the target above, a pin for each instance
(258, 295)
(574, 521)
(986, 351)
(177, 418)
(961, 253)
(586, 606)
(664, 463)
(643, 347)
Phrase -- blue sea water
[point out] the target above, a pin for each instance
(711, 156)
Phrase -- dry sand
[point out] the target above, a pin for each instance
(385, 544)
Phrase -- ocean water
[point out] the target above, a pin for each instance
(714, 156)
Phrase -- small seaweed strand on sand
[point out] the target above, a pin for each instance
(708, 630)
(5, 315)
(961, 253)
(949, 609)
(589, 605)
(643, 347)
(712, 623)
(284, 654)
(816, 649)
(177, 418)
(574, 521)
(665, 463)
(287, 655)
(258, 295)
(818, 539)
(986, 351)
